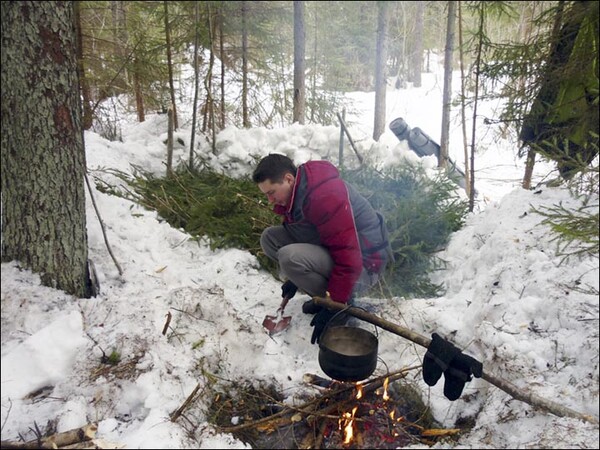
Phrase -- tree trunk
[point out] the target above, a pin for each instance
(120, 42)
(85, 88)
(529, 165)
(196, 83)
(524, 33)
(210, 103)
(417, 54)
(245, 119)
(462, 102)
(447, 96)
(299, 46)
(43, 155)
(170, 127)
(170, 65)
(139, 95)
(313, 76)
(380, 75)
(477, 69)
(222, 56)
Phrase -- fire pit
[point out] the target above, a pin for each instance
(382, 412)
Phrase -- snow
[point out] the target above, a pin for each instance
(510, 301)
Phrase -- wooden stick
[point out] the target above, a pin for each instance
(87, 182)
(509, 388)
(345, 128)
(175, 415)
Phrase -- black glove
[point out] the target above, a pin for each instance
(319, 321)
(460, 371)
(437, 359)
(288, 289)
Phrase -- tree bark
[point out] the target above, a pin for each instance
(196, 84)
(447, 95)
(245, 119)
(119, 40)
(139, 95)
(299, 49)
(380, 72)
(462, 103)
(222, 56)
(43, 155)
(170, 65)
(477, 69)
(208, 84)
(524, 33)
(85, 88)
(417, 54)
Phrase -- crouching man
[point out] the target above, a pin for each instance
(331, 239)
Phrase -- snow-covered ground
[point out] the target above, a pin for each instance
(531, 318)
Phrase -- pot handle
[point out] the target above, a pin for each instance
(343, 311)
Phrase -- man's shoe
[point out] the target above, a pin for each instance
(310, 307)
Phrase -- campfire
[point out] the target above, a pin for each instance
(382, 412)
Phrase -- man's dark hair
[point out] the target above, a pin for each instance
(273, 167)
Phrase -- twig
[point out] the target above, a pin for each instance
(185, 404)
(168, 321)
(7, 414)
(87, 182)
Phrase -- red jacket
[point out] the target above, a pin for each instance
(322, 199)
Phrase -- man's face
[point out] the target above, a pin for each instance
(278, 193)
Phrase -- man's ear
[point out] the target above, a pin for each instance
(289, 178)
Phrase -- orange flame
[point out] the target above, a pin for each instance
(346, 423)
(359, 391)
(385, 386)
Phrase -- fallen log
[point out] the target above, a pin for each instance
(57, 440)
(506, 386)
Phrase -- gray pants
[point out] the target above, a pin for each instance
(303, 261)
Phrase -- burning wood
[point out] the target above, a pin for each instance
(369, 414)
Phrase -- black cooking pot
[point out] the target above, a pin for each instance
(348, 353)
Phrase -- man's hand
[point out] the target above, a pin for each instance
(288, 289)
(319, 322)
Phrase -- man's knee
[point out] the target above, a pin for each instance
(265, 238)
(285, 256)
(268, 244)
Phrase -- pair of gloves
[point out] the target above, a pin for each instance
(458, 369)
(321, 318)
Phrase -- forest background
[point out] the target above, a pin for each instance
(293, 60)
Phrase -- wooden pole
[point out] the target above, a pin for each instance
(345, 128)
(509, 388)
